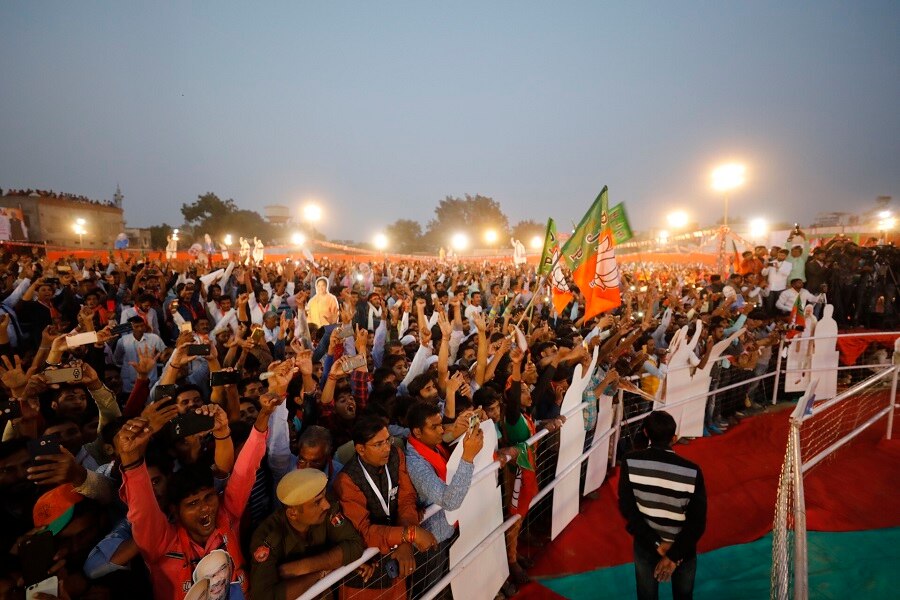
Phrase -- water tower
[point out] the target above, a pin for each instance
(277, 214)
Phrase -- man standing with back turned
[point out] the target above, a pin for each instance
(663, 498)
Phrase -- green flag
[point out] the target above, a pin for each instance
(618, 222)
(551, 248)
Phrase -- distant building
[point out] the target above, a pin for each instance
(48, 217)
(138, 237)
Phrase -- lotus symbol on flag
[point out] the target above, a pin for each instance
(557, 277)
(606, 274)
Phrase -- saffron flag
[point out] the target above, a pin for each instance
(549, 265)
(591, 258)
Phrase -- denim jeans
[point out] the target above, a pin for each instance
(645, 563)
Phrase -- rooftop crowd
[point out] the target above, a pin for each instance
(58, 195)
(241, 430)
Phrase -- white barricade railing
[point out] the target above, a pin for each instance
(334, 578)
(611, 435)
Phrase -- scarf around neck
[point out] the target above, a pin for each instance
(436, 458)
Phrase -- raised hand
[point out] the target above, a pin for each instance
(13, 375)
(445, 325)
(56, 469)
(303, 361)
(146, 362)
(362, 340)
(220, 419)
(158, 413)
(131, 441)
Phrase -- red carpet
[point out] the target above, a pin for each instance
(853, 490)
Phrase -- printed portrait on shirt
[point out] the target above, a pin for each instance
(213, 578)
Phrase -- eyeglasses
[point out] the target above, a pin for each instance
(380, 445)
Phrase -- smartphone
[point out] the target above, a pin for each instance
(217, 378)
(167, 389)
(47, 586)
(198, 350)
(186, 326)
(474, 422)
(64, 375)
(9, 410)
(36, 555)
(44, 445)
(344, 332)
(354, 362)
(190, 424)
(81, 339)
(51, 280)
(123, 329)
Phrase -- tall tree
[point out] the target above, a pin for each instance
(209, 214)
(527, 229)
(472, 215)
(158, 234)
(404, 235)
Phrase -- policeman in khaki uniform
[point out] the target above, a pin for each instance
(301, 542)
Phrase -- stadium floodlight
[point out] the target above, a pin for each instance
(726, 178)
(758, 229)
(380, 241)
(537, 242)
(490, 236)
(312, 213)
(677, 219)
(459, 241)
(298, 239)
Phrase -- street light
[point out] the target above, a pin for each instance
(490, 236)
(312, 213)
(80, 230)
(459, 241)
(380, 241)
(677, 219)
(298, 239)
(536, 243)
(758, 229)
(726, 178)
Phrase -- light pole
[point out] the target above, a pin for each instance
(80, 230)
(726, 178)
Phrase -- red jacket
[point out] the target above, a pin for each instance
(167, 549)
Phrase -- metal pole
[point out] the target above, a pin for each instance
(801, 591)
(620, 413)
(777, 372)
(725, 217)
(892, 404)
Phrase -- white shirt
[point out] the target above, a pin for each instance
(778, 275)
(788, 297)
(127, 352)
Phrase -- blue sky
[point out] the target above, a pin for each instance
(380, 109)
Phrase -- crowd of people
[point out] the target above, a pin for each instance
(175, 429)
(52, 194)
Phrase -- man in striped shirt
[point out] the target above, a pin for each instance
(663, 498)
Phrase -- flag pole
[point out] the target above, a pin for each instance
(540, 285)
